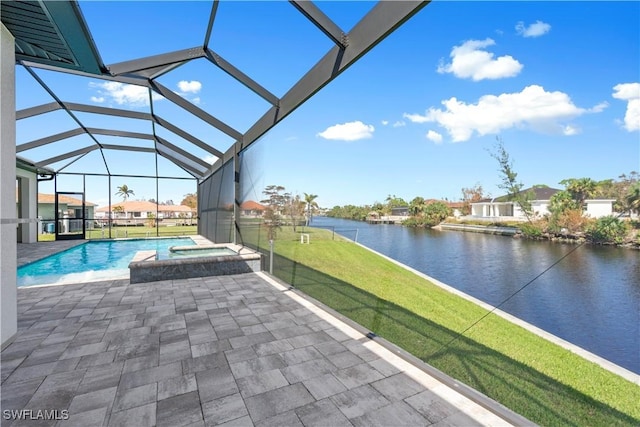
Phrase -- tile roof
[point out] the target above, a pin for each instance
(144, 206)
(68, 200)
(250, 205)
(541, 193)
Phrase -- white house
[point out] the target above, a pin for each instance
(500, 208)
(140, 212)
(597, 208)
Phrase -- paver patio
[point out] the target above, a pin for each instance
(228, 350)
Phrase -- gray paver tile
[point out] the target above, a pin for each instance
(92, 400)
(309, 339)
(384, 367)
(273, 347)
(458, 419)
(358, 375)
(306, 370)
(210, 361)
(289, 419)
(141, 362)
(136, 396)
(16, 395)
(180, 410)
(396, 414)
(276, 401)
(84, 350)
(240, 354)
(301, 355)
(249, 340)
(31, 372)
(140, 416)
(224, 410)
(45, 354)
(259, 383)
(261, 364)
(215, 383)
(8, 366)
(93, 417)
(324, 386)
(322, 413)
(344, 359)
(176, 386)
(358, 401)
(210, 347)
(397, 387)
(151, 375)
(142, 355)
(291, 331)
(238, 422)
(97, 359)
(330, 347)
(431, 406)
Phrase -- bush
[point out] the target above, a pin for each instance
(531, 230)
(571, 220)
(608, 229)
(433, 214)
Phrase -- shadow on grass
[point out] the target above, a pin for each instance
(524, 390)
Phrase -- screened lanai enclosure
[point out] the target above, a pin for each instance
(145, 125)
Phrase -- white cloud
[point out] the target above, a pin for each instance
(399, 124)
(536, 29)
(192, 86)
(532, 108)
(570, 130)
(97, 99)
(210, 158)
(434, 136)
(384, 122)
(599, 108)
(629, 92)
(123, 94)
(351, 131)
(470, 60)
(196, 100)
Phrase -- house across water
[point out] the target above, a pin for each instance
(504, 209)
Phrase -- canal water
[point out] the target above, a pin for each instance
(590, 298)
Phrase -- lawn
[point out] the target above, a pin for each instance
(528, 374)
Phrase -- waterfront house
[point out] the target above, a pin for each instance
(251, 209)
(500, 208)
(139, 212)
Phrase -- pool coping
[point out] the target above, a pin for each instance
(145, 267)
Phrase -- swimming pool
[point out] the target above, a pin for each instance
(101, 260)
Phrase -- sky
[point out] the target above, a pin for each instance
(557, 82)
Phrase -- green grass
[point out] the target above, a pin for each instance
(178, 230)
(528, 374)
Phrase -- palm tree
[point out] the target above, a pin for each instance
(125, 192)
(581, 189)
(311, 204)
(633, 198)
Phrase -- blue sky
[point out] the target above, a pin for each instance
(558, 82)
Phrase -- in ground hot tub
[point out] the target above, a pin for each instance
(202, 260)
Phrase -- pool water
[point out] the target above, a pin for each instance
(192, 253)
(93, 261)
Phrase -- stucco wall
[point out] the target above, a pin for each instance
(8, 247)
(599, 208)
(29, 208)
